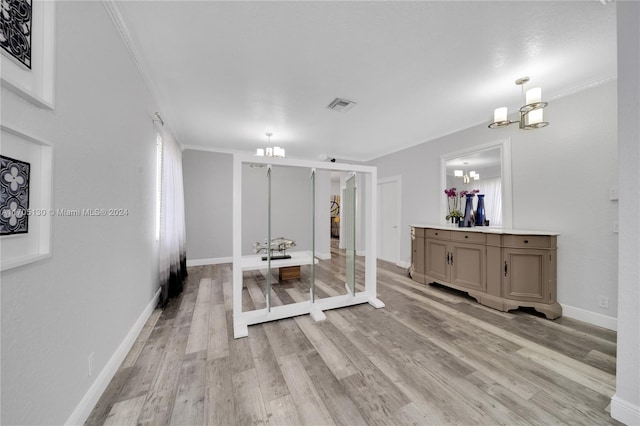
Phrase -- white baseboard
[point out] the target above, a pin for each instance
(403, 264)
(624, 411)
(90, 399)
(593, 318)
(323, 256)
(210, 261)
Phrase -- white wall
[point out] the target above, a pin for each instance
(103, 271)
(208, 211)
(625, 405)
(561, 178)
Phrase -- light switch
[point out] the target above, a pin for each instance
(613, 193)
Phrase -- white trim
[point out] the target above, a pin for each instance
(241, 320)
(505, 174)
(209, 261)
(398, 180)
(593, 318)
(90, 399)
(625, 411)
(36, 85)
(118, 21)
(213, 149)
(323, 256)
(403, 264)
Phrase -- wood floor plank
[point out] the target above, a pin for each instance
(219, 401)
(125, 412)
(218, 341)
(189, 401)
(375, 394)
(270, 380)
(339, 365)
(282, 412)
(309, 405)
(141, 340)
(591, 378)
(249, 406)
(199, 330)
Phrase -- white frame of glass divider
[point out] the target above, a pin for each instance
(314, 306)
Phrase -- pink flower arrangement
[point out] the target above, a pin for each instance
(453, 200)
(473, 192)
(453, 203)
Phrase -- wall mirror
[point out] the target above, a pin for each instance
(486, 168)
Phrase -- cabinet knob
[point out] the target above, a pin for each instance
(466, 236)
(526, 241)
(436, 233)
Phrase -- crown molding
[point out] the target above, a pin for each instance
(118, 21)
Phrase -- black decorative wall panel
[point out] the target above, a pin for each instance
(15, 29)
(14, 196)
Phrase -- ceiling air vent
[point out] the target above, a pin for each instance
(341, 105)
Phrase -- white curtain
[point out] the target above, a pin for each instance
(172, 238)
(492, 190)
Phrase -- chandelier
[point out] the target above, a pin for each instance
(530, 114)
(466, 177)
(275, 151)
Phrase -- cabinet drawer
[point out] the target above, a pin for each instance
(468, 237)
(494, 240)
(528, 241)
(437, 234)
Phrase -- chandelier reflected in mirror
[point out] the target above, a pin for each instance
(466, 177)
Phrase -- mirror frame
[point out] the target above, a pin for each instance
(505, 171)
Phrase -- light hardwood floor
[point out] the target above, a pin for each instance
(433, 356)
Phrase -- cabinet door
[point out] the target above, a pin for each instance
(526, 275)
(467, 263)
(417, 258)
(437, 260)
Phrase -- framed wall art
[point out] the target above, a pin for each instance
(14, 196)
(27, 38)
(25, 198)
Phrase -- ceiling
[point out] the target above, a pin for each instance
(225, 73)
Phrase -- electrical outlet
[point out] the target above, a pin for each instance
(616, 227)
(603, 302)
(90, 371)
(613, 193)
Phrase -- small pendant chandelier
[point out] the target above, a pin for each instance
(275, 151)
(531, 116)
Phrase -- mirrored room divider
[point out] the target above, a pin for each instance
(276, 235)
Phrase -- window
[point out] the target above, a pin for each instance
(158, 183)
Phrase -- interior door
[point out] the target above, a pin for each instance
(388, 221)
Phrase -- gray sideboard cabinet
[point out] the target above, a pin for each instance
(504, 270)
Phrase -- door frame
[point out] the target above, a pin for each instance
(398, 180)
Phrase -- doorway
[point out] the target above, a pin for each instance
(388, 246)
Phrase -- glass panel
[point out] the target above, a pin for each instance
(277, 235)
(255, 230)
(313, 235)
(291, 234)
(268, 249)
(349, 215)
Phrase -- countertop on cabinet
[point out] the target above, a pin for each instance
(486, 229)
